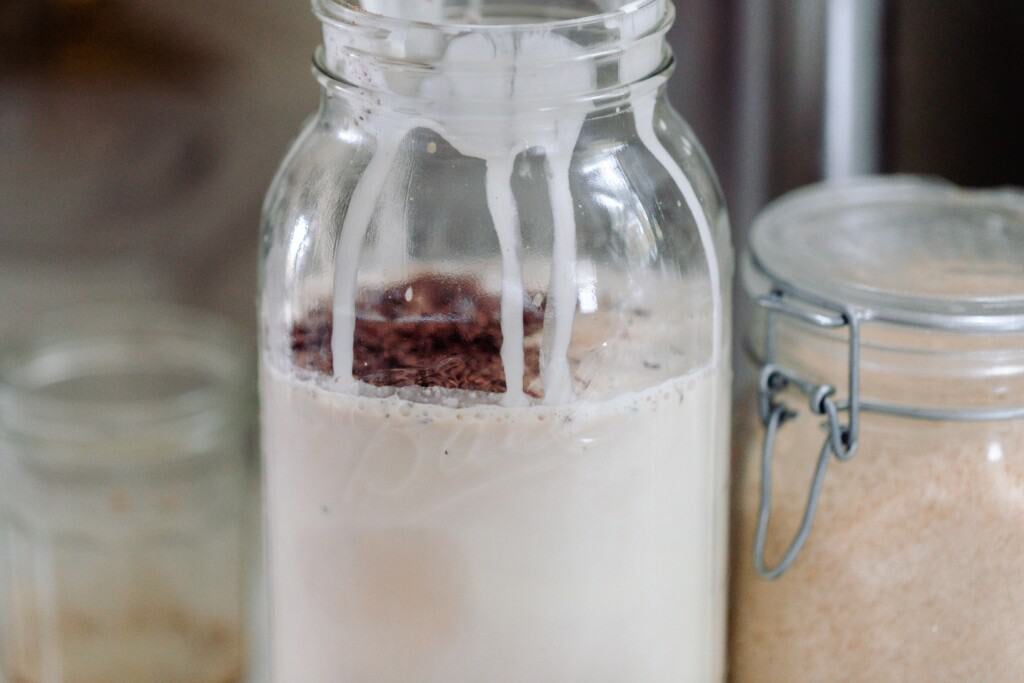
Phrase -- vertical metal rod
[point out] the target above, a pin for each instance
(752, 152)
(853, 390)
(770, 334)
(853, 76)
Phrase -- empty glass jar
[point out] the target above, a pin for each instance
(123, 449)
(879, 517)
(495, 374)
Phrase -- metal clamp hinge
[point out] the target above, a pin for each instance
(842, 436)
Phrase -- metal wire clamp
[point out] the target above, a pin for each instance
(841, 439)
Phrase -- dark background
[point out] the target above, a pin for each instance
(137, 137)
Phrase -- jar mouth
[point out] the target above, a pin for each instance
(155, 383)
(483, 15)
(517, 50)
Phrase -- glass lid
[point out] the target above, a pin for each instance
(903, 250)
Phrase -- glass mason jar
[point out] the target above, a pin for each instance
(495, 379)
(880, 472)
(124, 440)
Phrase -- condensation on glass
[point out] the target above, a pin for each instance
(880, 462)
(495, 375)
(123, 449)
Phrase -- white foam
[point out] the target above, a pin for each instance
(419, 10)
(562, 296)
(643, 109)
(498, 140)
(505, 216)
(357, 221)
(475, 11)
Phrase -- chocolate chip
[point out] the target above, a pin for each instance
(429, 332)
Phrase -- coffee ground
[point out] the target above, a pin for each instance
(428, 332)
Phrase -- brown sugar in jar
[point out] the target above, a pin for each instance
(911, 568)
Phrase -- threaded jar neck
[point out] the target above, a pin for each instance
(123, 387)
(531, 53)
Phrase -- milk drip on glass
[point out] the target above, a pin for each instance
(494, 382)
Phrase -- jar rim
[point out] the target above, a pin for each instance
(607, 100)
(105, 378)
(800, 241)
(470, 66)
(353, 12)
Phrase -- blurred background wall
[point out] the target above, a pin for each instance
(137, 137)
(835, 87)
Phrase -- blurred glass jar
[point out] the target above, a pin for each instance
(891, 416)
(123, 460)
